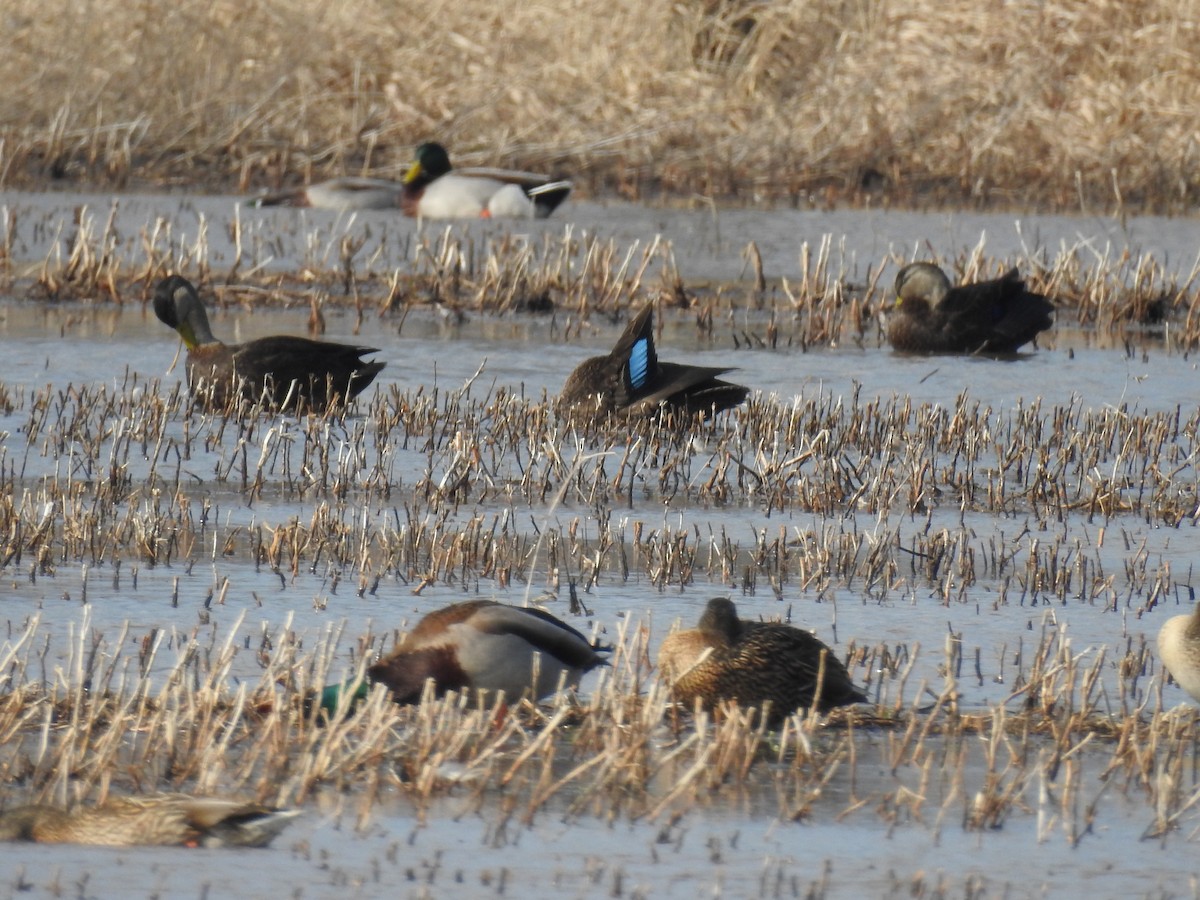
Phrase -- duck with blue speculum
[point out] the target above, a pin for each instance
(285, 372)
(483, 647)
(158, 819)
(433, 189)
(725, 659)
(631, 381)
(995, 317)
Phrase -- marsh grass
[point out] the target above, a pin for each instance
(161, 709)
(168, 716)
(577, 277)
(428, 486)
(799, 102)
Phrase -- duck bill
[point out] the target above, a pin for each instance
(188, 333)
(413, 173)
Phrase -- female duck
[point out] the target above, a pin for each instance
(482, 645)
(990, 317)
(631, 381)
(158, 819)
(752, 664)
(1179, 650)
(285, 372)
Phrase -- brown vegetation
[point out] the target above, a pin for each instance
(1060, 105)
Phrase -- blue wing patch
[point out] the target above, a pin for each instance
(639, 360)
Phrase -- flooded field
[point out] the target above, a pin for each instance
(992, 544)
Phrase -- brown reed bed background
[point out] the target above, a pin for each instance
(796, 102)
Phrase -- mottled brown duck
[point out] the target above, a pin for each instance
(284, 372)
(994, 317)
(174, 819)
(631, 381)
(725, 659)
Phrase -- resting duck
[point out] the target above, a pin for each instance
(726, 659)
(1179, 650)
(338, 193)
(433, 190)
(991, 317)
(630, 380)
(288, 372)
(173, 819)
(482, 645)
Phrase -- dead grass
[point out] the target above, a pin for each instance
(167, 715)
(1060, 105)
(1112, 295)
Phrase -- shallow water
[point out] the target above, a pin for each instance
(462, 853)
(721, 852)
(708, 244)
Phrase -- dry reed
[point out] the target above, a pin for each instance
(1114, 297)
(797, 102)
(168, 716)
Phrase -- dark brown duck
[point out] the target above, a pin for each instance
(989, 317)
(285, 372)
(632, 381)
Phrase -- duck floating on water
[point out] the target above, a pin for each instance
(752, 663)
(346, 193)
(988, 317)
(631, 381)
(483, 645)
(1179, 650)
(433, 189)
(160, 819)
(286, 372)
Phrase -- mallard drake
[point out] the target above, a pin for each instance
(141, 821)
(433, 190)
(726, 659)
(289, 372)
(338, 193)
(1179, 650)
(991, 317)
(482, 645)
(631, 381)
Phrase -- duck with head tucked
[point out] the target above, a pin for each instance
(483, 646)
(726, 659)
(285, 372)
(433, 189)
(347, 193)
(631, 381)
(159, 819)
(989, 317)
(1179, 650)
